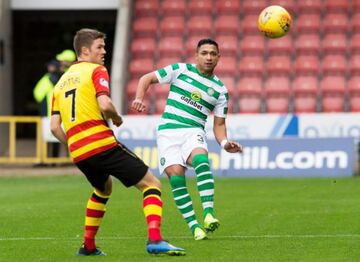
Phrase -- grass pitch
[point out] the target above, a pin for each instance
(261, 219)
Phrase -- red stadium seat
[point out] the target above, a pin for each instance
(337, 6)
(229, 82)
(227, 25)
(228, 7)
(131, 88)
(160, 91)
(355, 65)
(355, 23)
(200, 25)
(355, 43)
(250, 95)
(226, 66)
(165, 61)
(355, 7)
(145, 27)
(278, 84)
(305, 90)
(281, 46)
(333, 93)
(249, 24)
(310, 6)
(251, 66)
(200, 7)
(228, 45)
(279, 65)
(141, 66)
(308, 23)
(334, 65)
(277, 94)
(171, 46)
(289, 5)
(254, 6)
(146, 8)
(252, 45)
(354, 93)
(334, 44)
(307, 65)
(143, 47)
(160, 104)
(172, 26)
(336, 23)
(308, 44)
(173, 8)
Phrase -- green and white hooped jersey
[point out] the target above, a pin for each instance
(192, 97)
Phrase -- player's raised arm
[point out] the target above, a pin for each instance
(143, 85)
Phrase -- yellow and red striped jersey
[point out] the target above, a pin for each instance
(74, 98)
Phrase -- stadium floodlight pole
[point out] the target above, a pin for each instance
(119, 59)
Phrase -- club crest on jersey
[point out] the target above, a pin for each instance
(162, 161)
(210, 91)
(104, 82)
(196, 96)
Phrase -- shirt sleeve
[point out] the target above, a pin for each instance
(169, 73)
(100, 78)
(54, 106)
(221, 107)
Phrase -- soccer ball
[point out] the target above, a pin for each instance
(274, 21)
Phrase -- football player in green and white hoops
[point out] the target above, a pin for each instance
(195, 92)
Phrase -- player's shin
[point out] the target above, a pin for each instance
(152, 205)
(95, 211)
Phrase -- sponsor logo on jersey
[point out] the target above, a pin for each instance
(196, 96)
(162, 161)
(104, 82)
(191, 102)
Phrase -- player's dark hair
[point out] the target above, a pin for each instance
(85, 37)
(207, 41)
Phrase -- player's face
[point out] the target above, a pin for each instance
(97, 51)
(207, 57)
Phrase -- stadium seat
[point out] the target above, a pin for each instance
(250, 95)
(160, 105)
(200, 25)
(334, 44)
(335, 23)
(332, 90)
(143, 47)
(279, 65)
(146, 8)
(171, 46)
(251, 66)
(310, 6)
(172, 26)
(337, 6)
(226, 66)
(355, 23)
(200, 7)
(254, 6)
(138, 67)
(229, 82)
(228, 7)
(355, 43)
(308, 23)
(227, 25)
(249, 24)
(228, 45)
(145, 27)
(354, 93)
(355, 65)
(160, 91)
(289, 5)
(334, 65)
(355, 7)
(252, 45)
(305, 90)
(131, 87)
(173, 8)
(281, 46)
(277, 94)
(307, 65)
(165, 61)
(307, 44)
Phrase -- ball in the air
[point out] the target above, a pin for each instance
(274, 21)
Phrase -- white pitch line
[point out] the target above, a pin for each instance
(184, 237)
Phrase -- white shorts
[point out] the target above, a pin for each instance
(176, 145)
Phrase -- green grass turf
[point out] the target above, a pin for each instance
(261, 220)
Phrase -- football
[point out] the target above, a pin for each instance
(274, 21)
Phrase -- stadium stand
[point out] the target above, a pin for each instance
(318, 61)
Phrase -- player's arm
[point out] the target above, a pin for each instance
(221, 136)
(56, 129)
(108, 109)
(143, 85)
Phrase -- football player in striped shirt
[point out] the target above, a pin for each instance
(81, 102)
(195, 92)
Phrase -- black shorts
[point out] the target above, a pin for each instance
(119, 162)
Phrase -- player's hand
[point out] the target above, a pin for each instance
(138, 105)
(117, 121)
(233, 147)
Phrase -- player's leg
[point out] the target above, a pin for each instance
(205, 184)
(183, 200)
(152, 204)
